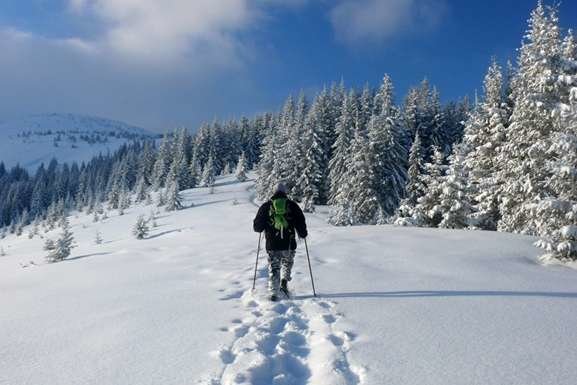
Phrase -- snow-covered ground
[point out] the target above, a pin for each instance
(65, 137)
(395, 306)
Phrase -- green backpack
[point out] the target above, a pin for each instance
(278, 211)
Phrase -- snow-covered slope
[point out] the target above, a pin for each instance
(395, 306)
(31, 140)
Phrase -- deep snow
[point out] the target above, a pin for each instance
(396, 305)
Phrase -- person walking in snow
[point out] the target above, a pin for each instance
(281, 219)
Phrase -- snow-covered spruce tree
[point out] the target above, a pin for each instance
(161, 198)
(387, 151)
(202, 144)
(266, 178)
(366, 107)
(194, 171)
(454, 204)
(483, 140)
(342, 146)
(147, 158)
(140, 229)
(62, 246)
(173, 199)
(162, 163)
(320, 121)
(179, 163)
(411, 112)
(427, 212)
(208, 173)
(49, 245)
(141, 190)
(340, 213)
(240, 172)
(361, 194)
(557, 213)
(415, 187)
(226, 170)
(217, 147)
(288, 150)
(356, 200)
(98, 238)
(124, 201)
(311, 181)
(439, 137)
(152, 219)
(535, 96)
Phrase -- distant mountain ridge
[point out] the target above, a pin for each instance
(34, 139)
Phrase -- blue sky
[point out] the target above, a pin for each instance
(168, 63)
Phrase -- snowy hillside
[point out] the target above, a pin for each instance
(396, 305)
(34, 139)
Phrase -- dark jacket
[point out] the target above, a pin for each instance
(295, 219)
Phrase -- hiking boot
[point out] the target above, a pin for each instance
(284, 286)
(274, 297)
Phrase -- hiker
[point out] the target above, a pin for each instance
(280, 217)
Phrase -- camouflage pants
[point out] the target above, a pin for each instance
(280, 264)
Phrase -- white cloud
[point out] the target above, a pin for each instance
(159, 63)
(165, 31)
(361, 21)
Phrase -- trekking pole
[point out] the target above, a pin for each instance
(310, 269)
(256, 263)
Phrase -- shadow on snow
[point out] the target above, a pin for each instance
(445, 294)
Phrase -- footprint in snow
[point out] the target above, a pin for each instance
(282, 344)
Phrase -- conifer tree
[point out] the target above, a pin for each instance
(226, 170)
(140, 229)
(387, 152)
(49, 245)
(557, 213)
(63, 245)
(141, 190)
(361, 194)
(311, 182)
(483, 141)
(173, 199)
(161, 165)
(415, 187)
(208, 174)
(427, 212)
(266, 177)
(152, 219)
(454, 205)
(535, 96)
(240, 172)
(287, 146)
(179, 164)
(341, 147)
(98, 238)
(194, 171)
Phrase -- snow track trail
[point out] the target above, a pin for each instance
(294, 341)
(290, 342)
